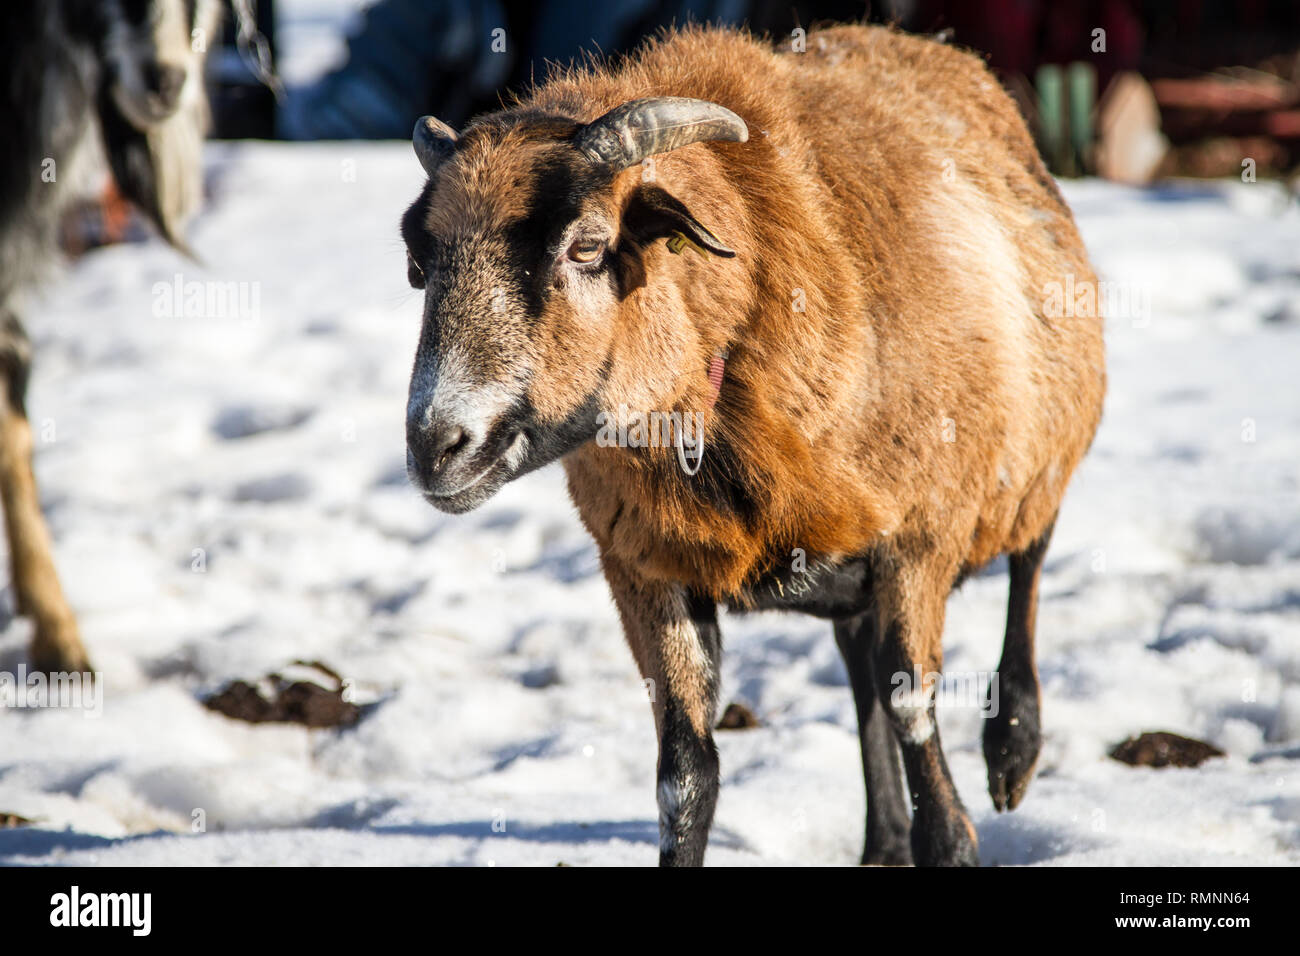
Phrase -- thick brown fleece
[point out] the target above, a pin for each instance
(895, 384)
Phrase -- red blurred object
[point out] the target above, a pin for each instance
(1225, 73)
(1018, 36)
(102, 221)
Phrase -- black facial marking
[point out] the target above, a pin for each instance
(553, 440)
(556, 192)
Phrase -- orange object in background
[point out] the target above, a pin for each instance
(117, 213)
(104, 221)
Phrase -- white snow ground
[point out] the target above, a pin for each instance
(510, 726)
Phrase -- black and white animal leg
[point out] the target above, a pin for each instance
(888, 825)
(908, 660)
(1013, 736)
(674, 637)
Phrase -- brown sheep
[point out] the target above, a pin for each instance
(887, 396)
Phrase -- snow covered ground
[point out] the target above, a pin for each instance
(227, 495)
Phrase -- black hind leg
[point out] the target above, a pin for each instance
(888, 827)
(1013, 737)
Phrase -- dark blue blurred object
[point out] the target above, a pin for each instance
(413, 57)
(406, 53)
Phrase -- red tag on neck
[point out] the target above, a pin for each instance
(716, 368)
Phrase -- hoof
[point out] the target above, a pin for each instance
(946, 839)
(57, 649)
(1011, 744)
(892, 852)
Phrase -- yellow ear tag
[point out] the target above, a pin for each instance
(679, 240)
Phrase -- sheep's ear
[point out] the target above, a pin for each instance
(654, 214)
(434, 141)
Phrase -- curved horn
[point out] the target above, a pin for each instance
(629, 133)
(433, 141)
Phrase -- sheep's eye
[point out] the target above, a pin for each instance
(414, 274)
(586, 250)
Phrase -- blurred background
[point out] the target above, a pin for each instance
(1131, 90)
